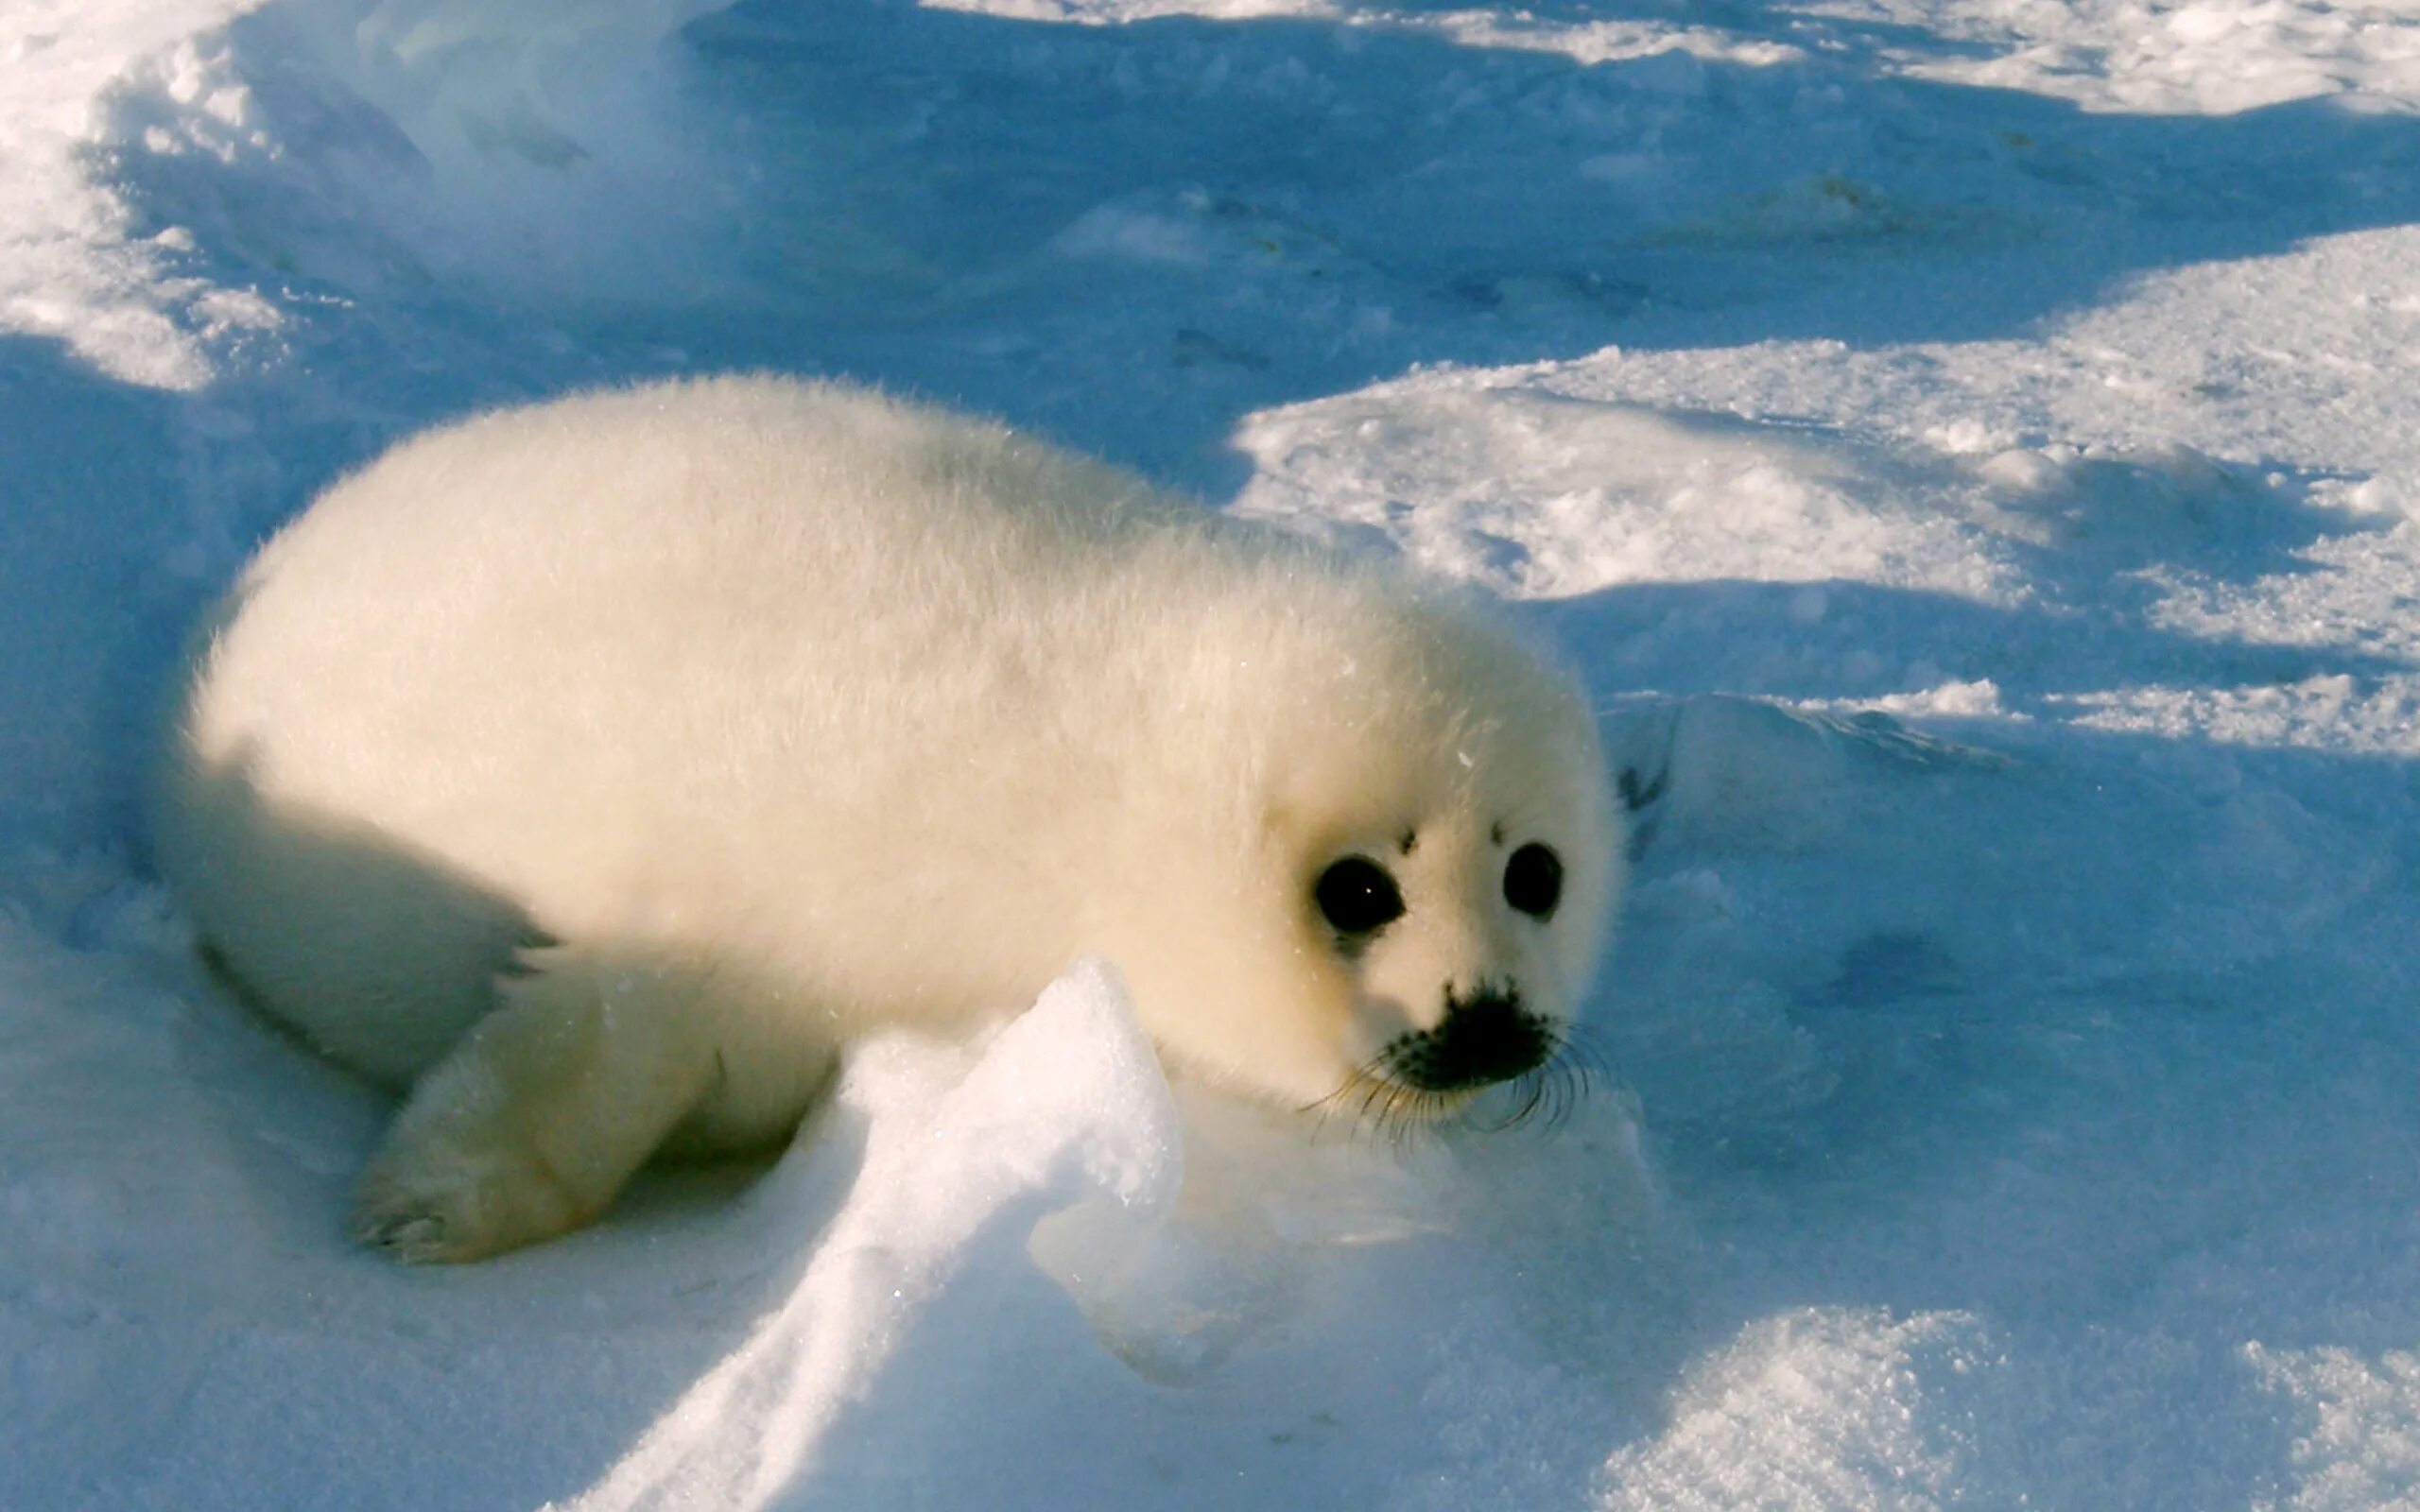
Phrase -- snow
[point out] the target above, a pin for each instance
(1971, 447)
(1072, 1083)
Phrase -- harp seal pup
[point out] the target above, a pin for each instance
(593, 771)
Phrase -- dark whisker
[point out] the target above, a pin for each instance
(1569, 1082)
(1583, 1046)
(1551, 1093)
(1363, 1078)
(1383, 1107)
(1380, 1088)
(1536, 1092)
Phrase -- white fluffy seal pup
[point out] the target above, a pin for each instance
(596, 770)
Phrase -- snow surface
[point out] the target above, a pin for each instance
(1971, 447)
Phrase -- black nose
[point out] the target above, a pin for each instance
(1488, 1039)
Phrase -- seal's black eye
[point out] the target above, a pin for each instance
(1356, 896)
(1534, 880)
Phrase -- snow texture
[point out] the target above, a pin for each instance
(1971, 447)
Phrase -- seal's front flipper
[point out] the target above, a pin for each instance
(540, 1115)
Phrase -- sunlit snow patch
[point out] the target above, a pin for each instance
(74, 265)
(538, 146)
(2199, 55)
(1543, 495)
(2360, 1447)
(1822, 1410)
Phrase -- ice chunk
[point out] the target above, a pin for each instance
(1066, 1103)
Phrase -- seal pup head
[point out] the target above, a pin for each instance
(1458, 902)
(1434, 848)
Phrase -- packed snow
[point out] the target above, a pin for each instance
(1970, 447)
